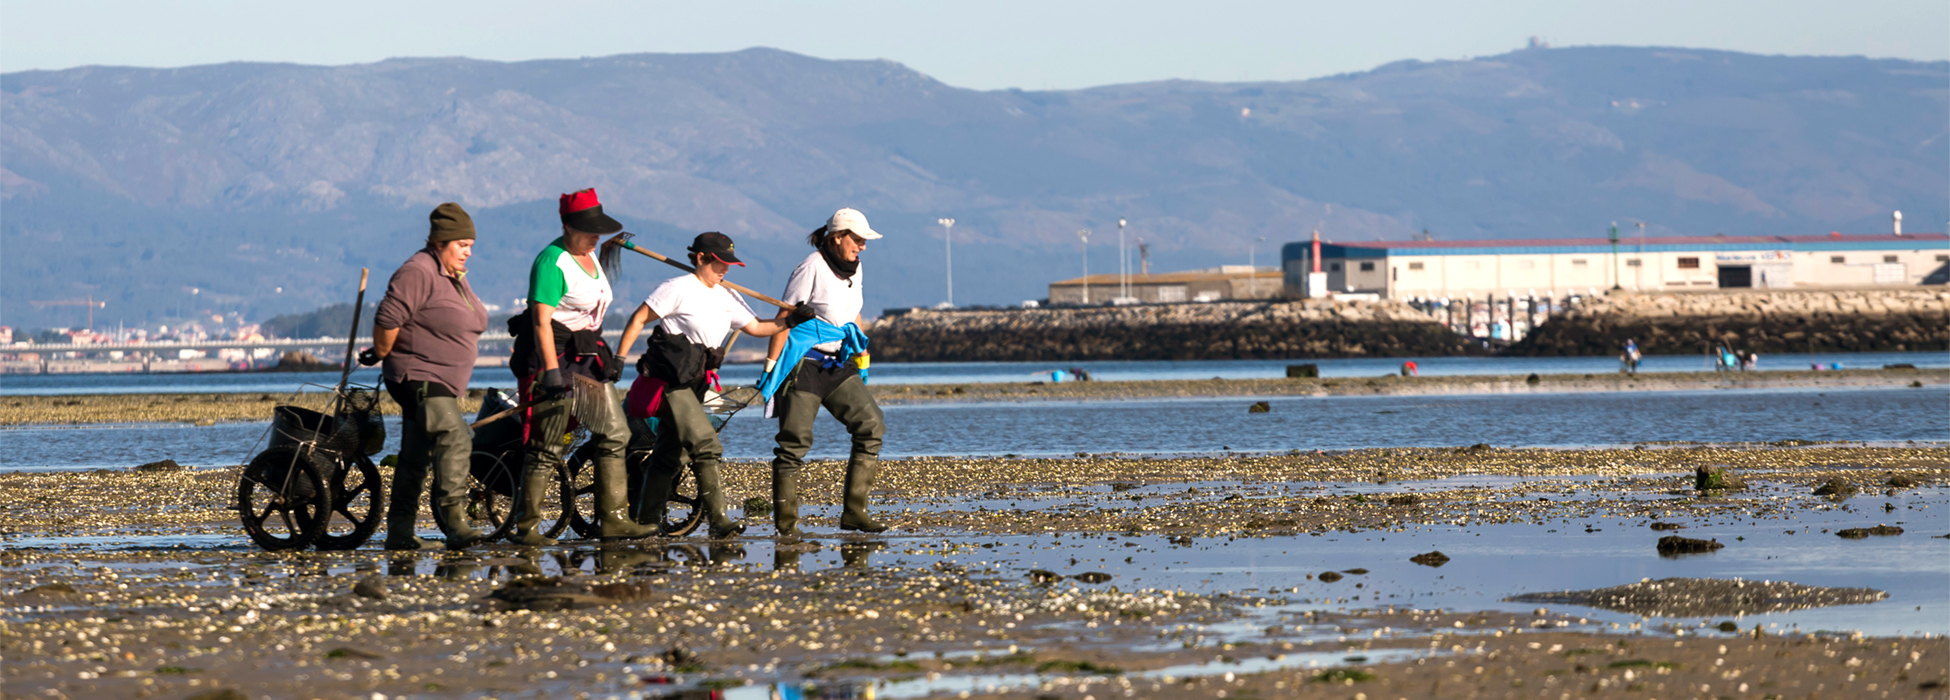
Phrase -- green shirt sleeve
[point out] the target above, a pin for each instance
(545, 282)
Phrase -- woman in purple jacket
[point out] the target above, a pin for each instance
(427, 331)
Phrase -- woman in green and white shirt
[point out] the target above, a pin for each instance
(568, 294)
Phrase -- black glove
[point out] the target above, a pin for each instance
(551, 384)
(368, 357)
(613, 372)
(799, 314)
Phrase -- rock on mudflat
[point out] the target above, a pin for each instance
(1856, 533)
(167, 465)
(1716, 479)
(1436, 558)
(1706, 597)
(1835, 488)
(373, 587)
(1673, 545)
(45, 593)
(560, 593)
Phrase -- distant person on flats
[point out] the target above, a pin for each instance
(561, 336)
(695, 313)
(427, 332)
(823, 362)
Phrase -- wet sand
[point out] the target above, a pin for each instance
(213, 408)
(1394, 385)
(938, 605)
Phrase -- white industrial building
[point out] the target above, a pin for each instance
(1555, 267)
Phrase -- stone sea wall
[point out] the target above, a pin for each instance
(1226, 330)
(1763, 321)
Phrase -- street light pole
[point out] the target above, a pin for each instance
(1123, 264)
(948, 244)
(1614, 256)
(1085, 236)
(1638, 274)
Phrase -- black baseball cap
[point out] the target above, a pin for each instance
(716, 245)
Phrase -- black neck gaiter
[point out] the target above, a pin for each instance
(842, 267)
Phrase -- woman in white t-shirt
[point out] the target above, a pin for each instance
(695, 314)
(831, 282)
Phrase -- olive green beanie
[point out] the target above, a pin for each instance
(450, 223)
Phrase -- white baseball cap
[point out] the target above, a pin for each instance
(851, 219)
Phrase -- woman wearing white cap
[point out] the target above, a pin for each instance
(823, 362)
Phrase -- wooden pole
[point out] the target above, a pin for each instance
(681, 266)
(352, 336)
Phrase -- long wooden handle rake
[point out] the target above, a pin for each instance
(622, 240)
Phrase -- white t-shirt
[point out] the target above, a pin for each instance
(834, 300)
(703, 314)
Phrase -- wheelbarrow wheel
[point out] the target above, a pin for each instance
(490, 493)
(558, 504)
(682, 513)
(358, 504)
(283, 500)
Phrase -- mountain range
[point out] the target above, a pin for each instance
(255, 189)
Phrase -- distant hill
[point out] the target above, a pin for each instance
(263, 187)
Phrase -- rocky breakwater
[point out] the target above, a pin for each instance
(1762, 321)
(1215, 331)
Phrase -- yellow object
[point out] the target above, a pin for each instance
(860, 361)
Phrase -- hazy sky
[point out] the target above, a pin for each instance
(989, 44)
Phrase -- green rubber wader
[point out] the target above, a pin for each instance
(853, 406)
(683, 429)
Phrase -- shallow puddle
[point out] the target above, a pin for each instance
(1486, 563)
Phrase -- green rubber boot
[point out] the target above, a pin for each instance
(613, 503)
(403, 510)
(785, 504)
(528, 508)
(859, 484)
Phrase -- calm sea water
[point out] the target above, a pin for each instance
(1183, 425)
(980, 372)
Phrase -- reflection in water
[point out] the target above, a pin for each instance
(853, 555)
(725, 552)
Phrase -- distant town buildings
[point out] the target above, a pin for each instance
(1210, 284)
(1554, 267)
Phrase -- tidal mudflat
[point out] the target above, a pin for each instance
(1377, 573)
(218, 407)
